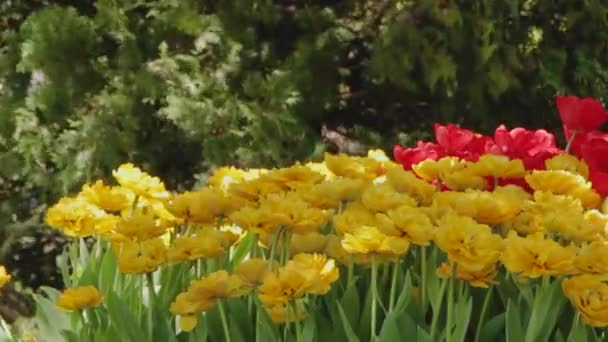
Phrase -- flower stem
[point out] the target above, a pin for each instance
(448, 334)
(437, 311)
(569, 144)
(391, 302)
(273, 247)
(224, 320)
(296, 321)
(374, 296)
(482, 315)
(151, 303)
(423, 304)
(350, 270)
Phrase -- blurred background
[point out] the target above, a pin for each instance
(182, 86)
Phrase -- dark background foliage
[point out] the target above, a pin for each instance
(182, 86)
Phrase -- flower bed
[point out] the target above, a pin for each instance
(471, 237)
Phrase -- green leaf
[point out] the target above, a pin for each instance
(350, 303)
(423, 335)
(513, 326)
(405, 295)
(548, 305)
(107, 271)
(493, 328)
(124, 321)
(309, 330)
(243, 248)
(240, 319)
(463, 313)
(348, 330)
(578, 332)
(390, 329)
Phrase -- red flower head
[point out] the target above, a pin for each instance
(599, 180)
(581, 139)
(593, 148)
(414, 155)
(532, 147)
(582, 115)
(461, 142)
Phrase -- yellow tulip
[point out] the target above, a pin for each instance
(535, 256)
(589, 293)
(141, 183)
(77, 298)
(468, 243)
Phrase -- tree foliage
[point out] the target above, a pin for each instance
(182, 86)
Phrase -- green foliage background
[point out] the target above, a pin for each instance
(181, 86)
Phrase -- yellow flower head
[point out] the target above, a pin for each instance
(353, 216)
(109, 198)
(292, 212)
(141, 183)
(438, 169)
(335, 250)
(593, 258)
(5, 277)
(279, 288)
(252, 271)
(78, 298)
(477, 278)
(287, 313)
(589, 293)
(320, 168)
(465, 179)
(219, 284)
(304, 274)
(313, 242)
(378, 155)
(409, 223)
(204, 293)
(535, 256)
(141, 257)
(407, 182)
(253, 190)
(207, 243)
(568, 162)
(383, 197)
(294, 177)
(331, 193)
(472, 245)
(564, 215)
(203, 206)
(187, 322)
(258, 220)
(370, 240)
(139, 226)
(526, 222)
(353, 167)
(223, 177)
(74, 216)
(486, 207)
(493, 165)
(319, 270)
(591, 227)
(564, 183)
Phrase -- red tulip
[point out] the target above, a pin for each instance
(582, 115)
(532, 147)
(414, 155)
(461, 142)
(594, 150)
(599, 179)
